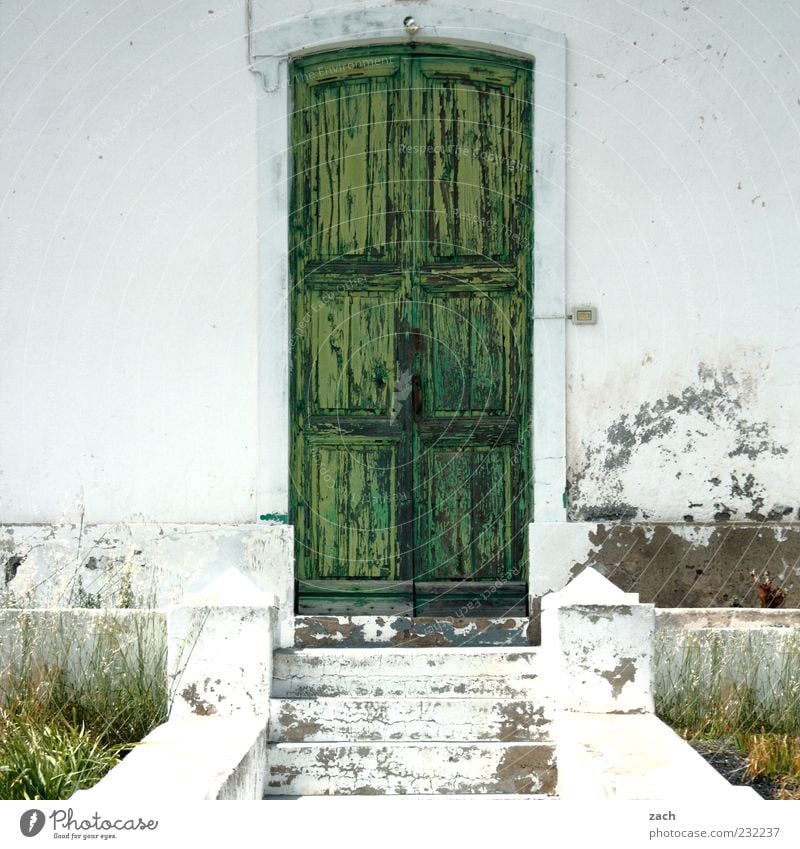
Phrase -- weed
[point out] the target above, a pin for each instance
(739, 687)
(78, 689)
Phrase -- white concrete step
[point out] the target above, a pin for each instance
(337, 719)
(322, 769)
(500, 673)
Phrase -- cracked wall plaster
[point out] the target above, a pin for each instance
(698, 454)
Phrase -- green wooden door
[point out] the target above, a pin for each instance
(411, 299)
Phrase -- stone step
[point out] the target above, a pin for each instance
(500, 673)
(412, 632)
(440, 720)
(323, 769)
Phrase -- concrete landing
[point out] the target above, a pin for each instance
(413, 632)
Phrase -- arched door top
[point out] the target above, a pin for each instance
(271, 45)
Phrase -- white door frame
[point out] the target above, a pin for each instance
(271, 46)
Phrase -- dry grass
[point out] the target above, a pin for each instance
(65, 721)
(775, 756)
(745, 692)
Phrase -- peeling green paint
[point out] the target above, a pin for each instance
(410, 253)
(274, 517)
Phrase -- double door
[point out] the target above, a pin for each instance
(411, 294)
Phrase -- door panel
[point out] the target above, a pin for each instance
(467, 523)
(474, 305)
(347, 137)
(353, 363)
(472, 119)
(354, 534)
(410, 331)
(468, 353)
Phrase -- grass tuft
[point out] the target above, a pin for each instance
(737, 686)
(75, 698)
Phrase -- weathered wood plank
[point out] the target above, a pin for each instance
(357, 598)
(329, 351)
(490, 358)
(491, 513)
(465, 598)
(448, 378)
(466, 430)
(449, 553)
(353, 587)
(465, 278)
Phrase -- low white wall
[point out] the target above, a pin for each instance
(191, 759)
(148, 564)
(701, 653)
(222, 653)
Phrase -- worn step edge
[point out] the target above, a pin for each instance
(509, 797)
(433, 720)
(529, 687)
(504, 672)
(392, 768)
(416, 632)
(404, 651)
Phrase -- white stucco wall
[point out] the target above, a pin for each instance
(128, 297)
(128, 301)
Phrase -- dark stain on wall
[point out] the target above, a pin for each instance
(596, 491)
(669, 569)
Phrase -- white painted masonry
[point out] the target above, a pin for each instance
(598, 643)
(219, 649)
(143, 277)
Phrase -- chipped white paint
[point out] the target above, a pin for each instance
(219, 650)
(355, 631)
(598, 644)
(590, 587)
(314, 769)
(513, 673)
(700, 535)
(710, 450)
(556, 550)
(144, 564)
(432, 719)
